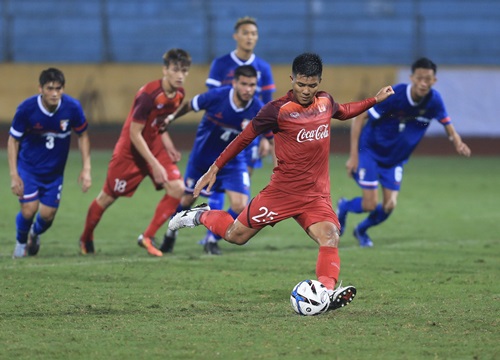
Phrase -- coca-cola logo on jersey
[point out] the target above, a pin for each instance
(321, 132)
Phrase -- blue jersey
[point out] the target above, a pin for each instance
(222, 73)
(45, 137)
(396, 126)
(220, 124)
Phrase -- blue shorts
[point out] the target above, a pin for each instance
(41, 188)
(252, 154)
(232, 179)
(370, 173)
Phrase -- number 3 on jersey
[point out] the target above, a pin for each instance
(265, 215)
(49, 142)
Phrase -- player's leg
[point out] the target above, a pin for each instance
(237, 202)
(24, 220)
(390, 179)
(42, 222)
(50, 195)
(94, 214)
(216, 202)
(236, 183)
(123, 179)
(366, 176)
(166, 207)
(382, 211)
(321, 224)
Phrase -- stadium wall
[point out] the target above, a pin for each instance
(106, 91)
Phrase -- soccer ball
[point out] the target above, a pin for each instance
(310, 297)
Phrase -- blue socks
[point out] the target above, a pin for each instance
(41, 225)
(354, 205)
(23, 227)
(374, 218)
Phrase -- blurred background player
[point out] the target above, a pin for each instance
(141, 151)
(228, 110)
(38, 148)
(221, 73)
(379, 150)
(300, 184)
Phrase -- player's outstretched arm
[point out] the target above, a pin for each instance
(349, 110)
(16, 183)
(207, 179)
(384, 93)
(85, 178)
(460, 147)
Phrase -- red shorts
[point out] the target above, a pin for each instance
(125, 174)
(271, 206)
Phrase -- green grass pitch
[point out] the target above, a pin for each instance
(429, 289)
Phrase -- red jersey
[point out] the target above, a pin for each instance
(151, 106)
(302, 140)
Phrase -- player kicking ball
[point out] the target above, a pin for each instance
(300, 184)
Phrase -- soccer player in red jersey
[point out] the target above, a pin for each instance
(142, 151)
(300, 184)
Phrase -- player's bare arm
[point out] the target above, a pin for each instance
(207, 179)
(159, 173)
(172, 151)
(384, 93)
(460, 147)
(85, 178)
(16, 183)
(356, 126)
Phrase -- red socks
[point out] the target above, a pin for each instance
(94, 215)
(165, 208)
(328, 266)
(217, 221)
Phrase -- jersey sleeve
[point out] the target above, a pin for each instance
(214, 77)
(352, 109)
(143, 106)
(236, 146)
(79, 122)
(440, 110)
(204, 100)
(18, 126)
(267, 83)
(266, 119)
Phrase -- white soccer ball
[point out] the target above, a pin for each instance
(310, 297)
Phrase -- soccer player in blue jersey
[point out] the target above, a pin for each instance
(222, 72)
(379, 150)
(228, 110)
(38, 147)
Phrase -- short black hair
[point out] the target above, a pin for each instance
(177, 56)
(243, 21)
(424, 63)
(245, 70)
(51, 75)
(307, 64)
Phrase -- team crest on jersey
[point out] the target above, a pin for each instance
(63, 124)
(321, 108)
(160, 106)
(295, 115)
